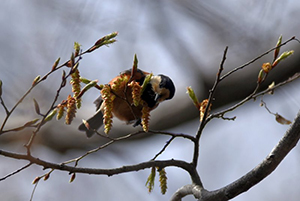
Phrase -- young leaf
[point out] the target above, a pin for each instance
(29, 123)
(135, 65)
(51, 115)
(283, 56)
(63, 77)
(193, 96)
(84, 80)
(108, 39)
(76, 48)
(87, 87)
(36, 107)
(146, 82)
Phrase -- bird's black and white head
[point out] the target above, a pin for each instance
(163, 87)
(159, 88)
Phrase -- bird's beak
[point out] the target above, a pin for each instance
(157, 97)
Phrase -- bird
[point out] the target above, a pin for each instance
(159, 88)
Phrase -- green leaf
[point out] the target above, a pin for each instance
(193, 96)
(146, 81)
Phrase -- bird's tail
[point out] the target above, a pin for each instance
(95, 122)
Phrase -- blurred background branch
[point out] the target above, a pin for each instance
(182, 39)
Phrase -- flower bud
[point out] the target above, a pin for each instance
(46, 177)
(36, 107)
(84, 80)
(55, 64)
(73, 176)
(260, 76)
(276, 52)
(36, 180)
(36, 79)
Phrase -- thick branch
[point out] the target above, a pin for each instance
(190, 189)
(268, 165)
(256, 175)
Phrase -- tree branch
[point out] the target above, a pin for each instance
(253, 95)
(210, 99)
(15, 172)
(109, 172)
(268, 165)
(113, 140)
(256, 175)
(190, 189)
(255, 59)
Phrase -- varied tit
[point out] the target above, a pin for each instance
(159, 88)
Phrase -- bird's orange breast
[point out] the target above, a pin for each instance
(123, 107)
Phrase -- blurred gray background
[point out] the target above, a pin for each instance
(182, 39)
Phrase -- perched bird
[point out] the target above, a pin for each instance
(158, 89)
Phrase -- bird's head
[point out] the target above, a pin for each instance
(163, 87)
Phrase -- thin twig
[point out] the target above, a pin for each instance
(186, 136)
(221, 113)
(113, 140)
(15, 172)
(257, 58)
(34, 133)
(164, 148)
(92, 48)
(33, 191)
(14, 107)
(265, 105)
(210, 98)
(252, 96)
(268, 90)
(29, 124)
(109, 172)
(4, 106)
